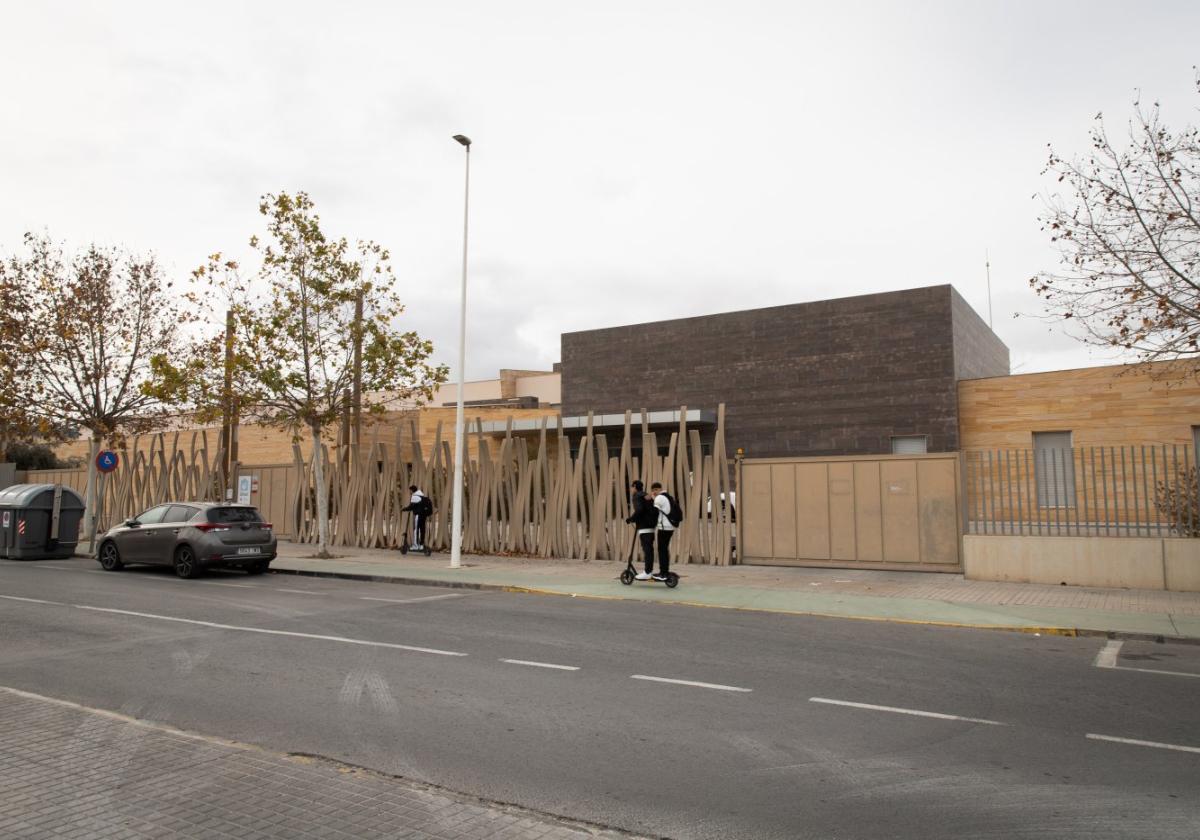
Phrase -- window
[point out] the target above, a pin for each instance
(1054, 466)
(233, 514)
(180, 513)
(154, 515)
(910, 444)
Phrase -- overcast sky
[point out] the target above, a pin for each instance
(632, 161)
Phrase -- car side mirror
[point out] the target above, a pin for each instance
(131, 523)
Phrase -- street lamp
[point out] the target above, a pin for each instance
(460, 453)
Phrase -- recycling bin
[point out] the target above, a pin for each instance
(39, 521)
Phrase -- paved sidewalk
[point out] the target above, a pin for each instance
(71, 772)
(885, 596)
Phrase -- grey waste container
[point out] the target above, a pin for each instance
(27, 521)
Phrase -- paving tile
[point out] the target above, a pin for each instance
(70, 773)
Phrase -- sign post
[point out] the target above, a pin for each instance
(106, 462)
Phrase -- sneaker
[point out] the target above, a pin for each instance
(641, 576)
(659, 576)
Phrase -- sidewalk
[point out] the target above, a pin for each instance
(74, 772)
(912, 597)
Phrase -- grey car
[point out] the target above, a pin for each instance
(191, 537)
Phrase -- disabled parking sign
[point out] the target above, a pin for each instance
(107, 461)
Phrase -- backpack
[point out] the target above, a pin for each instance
(425, 508)
(675, 515)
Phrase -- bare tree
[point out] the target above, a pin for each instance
(1128, 230)
(89, 325)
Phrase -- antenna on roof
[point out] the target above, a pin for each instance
(987, 266)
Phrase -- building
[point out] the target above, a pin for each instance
(1116, 405)
(852, 376)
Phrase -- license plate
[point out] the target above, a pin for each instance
(249, 551)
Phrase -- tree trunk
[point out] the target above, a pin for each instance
(89, 519)
(322, 494)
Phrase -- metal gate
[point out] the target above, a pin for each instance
(872, 511)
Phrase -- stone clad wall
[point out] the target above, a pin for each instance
(833, 377)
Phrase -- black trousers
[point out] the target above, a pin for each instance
(664, 551)
(647, 540)
(419, 533)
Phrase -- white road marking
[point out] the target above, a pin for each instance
(1107, 657)
(222, 583)
(31, 600)
(266, 631)
(70, 569)
(689, 682)
(540, 664)
(299, 591)
(899, 711)
(1138, 743)
(411, 600)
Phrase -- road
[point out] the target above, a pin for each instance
(663, 720)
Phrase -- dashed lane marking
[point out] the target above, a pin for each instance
(899, 711)
(32, 600)
(410, 600)
(716, 686)
(540, 664)
(263, 630)
(1137, 743)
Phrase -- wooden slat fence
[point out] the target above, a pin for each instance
(545, 504)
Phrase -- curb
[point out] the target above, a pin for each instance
(529, 590)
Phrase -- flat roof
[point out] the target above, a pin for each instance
(695, 417)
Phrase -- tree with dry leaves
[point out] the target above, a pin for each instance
(1125, 218)
(291, 361)
(89, 324)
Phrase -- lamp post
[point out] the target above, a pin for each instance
(460, 453)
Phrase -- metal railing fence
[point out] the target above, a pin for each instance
(1115, 491)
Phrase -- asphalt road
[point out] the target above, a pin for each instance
(675, 721)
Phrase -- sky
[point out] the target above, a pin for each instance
(632, 161)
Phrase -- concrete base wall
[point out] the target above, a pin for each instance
(1114, 562)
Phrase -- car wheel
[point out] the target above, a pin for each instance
(258, 568)
(110, 558)
(185, 562)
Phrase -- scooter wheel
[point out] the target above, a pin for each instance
(404, 547)
(428, 552)
(672, 580)
(627, 577)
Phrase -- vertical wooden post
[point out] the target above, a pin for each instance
(358, 342)
(227, 412)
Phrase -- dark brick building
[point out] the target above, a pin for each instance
(833, 377)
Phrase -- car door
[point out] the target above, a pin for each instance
(136, 543)
(162, 538)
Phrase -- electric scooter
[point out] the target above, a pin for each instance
(404, 545)
(629, 573)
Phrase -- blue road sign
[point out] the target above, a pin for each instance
(107, 461)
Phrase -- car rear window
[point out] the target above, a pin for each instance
(234, 514)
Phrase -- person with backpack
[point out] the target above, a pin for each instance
(421, 507)
(644, 518)
(670, 515)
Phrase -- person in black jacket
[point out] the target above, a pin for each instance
(645, 518)
(421, 507)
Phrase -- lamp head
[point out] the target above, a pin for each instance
(464, 139)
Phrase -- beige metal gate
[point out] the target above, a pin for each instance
(874, 511)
